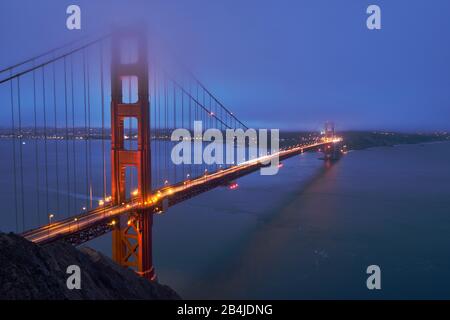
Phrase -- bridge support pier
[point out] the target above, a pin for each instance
(132, 232)
(132, 243)
(331, 152)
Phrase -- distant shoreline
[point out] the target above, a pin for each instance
(358, 140)
(365, 140)
(352, 140)
(399, 145)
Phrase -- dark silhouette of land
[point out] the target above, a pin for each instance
(31, 271)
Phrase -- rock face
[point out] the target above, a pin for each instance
(30, 271)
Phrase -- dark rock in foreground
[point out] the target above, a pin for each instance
(30, 271)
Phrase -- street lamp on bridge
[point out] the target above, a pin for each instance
(50, 216)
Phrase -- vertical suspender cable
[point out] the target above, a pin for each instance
(21, 154)
(182, 125)
(163, 178)
(88, 76)
(103, 121)
(196, 119)
(36, 150)
(154, 128)
(13, 129)
(73, 133)
(55, 137)
(174, 127)
(191, 115)
(47, 202)
(85, 131)
(166, 124)
(67, 138)
(159, 158)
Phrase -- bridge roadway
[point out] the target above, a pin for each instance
(86, 226)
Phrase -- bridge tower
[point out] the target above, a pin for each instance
(329, 130)
(330, 150)
(132, 232)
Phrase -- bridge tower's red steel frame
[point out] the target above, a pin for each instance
(132, 232)
(330, 150)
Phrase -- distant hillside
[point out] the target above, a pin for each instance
(30, 271)
(366, 139)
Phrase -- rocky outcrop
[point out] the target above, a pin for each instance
(30, 271)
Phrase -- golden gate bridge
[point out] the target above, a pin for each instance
(88, 132)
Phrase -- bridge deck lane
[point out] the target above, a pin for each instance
(86, 226)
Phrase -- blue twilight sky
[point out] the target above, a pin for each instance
(279, 64)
